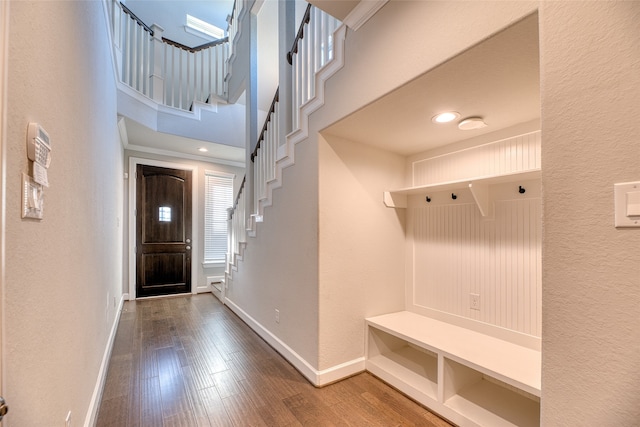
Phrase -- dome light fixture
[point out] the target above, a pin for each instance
(202, 150)
(446, 117)
(472, 123)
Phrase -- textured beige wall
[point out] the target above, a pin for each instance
(362, 244)
(280, 265)
(62, 273)
(590, 65)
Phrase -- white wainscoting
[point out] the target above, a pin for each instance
(456, 253)
(507, 156)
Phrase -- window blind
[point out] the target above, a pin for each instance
(218, 198)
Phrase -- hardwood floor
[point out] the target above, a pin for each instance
(189, 361)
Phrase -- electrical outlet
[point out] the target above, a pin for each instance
(475, 301)
(67, 421)
(277, 316)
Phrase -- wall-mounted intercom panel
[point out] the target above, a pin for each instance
(38, 145)
(39, 154)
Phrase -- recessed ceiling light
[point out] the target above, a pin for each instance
(445, 117)
(472, 123)
(202, 150)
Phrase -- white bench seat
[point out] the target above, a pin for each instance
(453, 370)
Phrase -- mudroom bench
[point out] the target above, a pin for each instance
(468, 377)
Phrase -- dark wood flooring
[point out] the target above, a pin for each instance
(189, 361)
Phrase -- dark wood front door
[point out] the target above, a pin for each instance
(163, 231)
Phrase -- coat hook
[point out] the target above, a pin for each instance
(521, 190)
(454, 196)
(428, 199)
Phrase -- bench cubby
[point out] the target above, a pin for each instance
(416, 367)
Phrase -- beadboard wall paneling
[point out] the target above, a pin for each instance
(456, 253)
(517, 154)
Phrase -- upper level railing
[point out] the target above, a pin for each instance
(164, 70)
(194, 74)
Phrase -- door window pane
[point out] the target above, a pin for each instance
(165, 214)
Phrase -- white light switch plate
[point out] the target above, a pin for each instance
(625, 200)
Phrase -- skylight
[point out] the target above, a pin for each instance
(197, 25)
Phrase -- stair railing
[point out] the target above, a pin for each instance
(163, 70)
(232, 21)
(312, 49)
(265, 155)
(236, 228)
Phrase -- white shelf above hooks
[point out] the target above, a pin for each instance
(479, 188)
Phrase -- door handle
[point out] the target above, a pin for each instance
(188, 240)
(188, 248)
(3, 408)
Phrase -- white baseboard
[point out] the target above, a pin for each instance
(203, 289)
(340, 372)
(94, 405)
(317, 378)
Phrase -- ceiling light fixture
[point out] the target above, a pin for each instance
(472, 123)
(202, 150)
(445, 117)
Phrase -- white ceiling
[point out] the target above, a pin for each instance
(337, 8)
(497, 79)
(142, 138)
